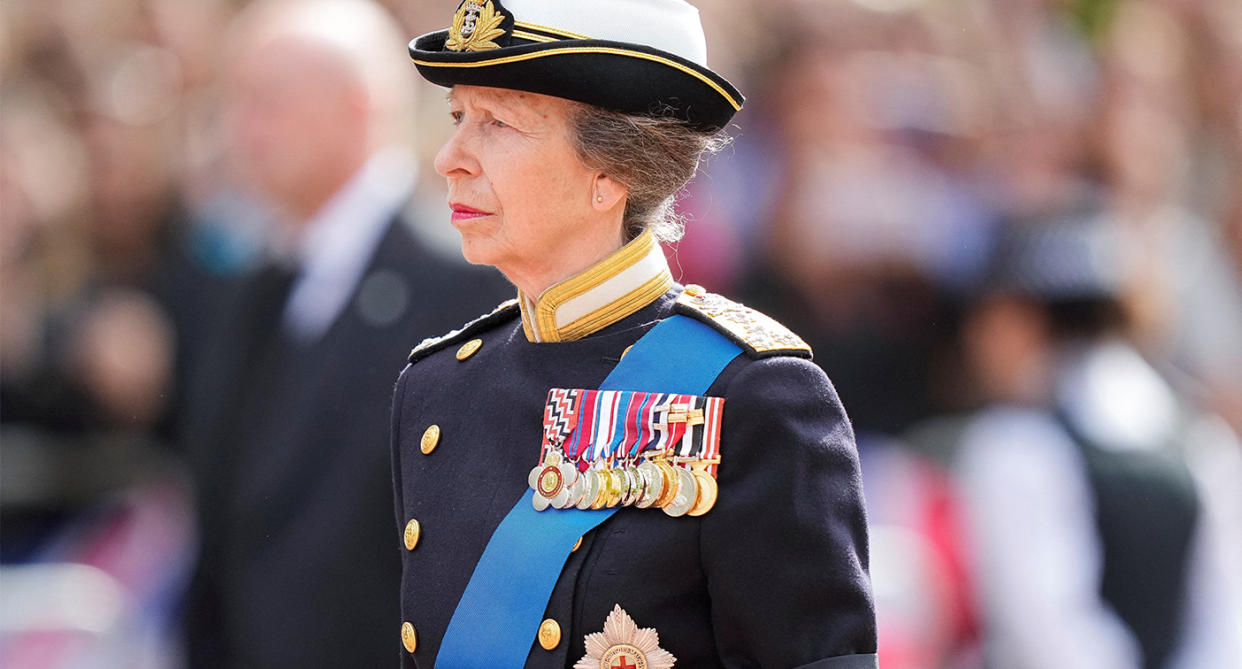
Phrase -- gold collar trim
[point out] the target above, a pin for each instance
(599, 296)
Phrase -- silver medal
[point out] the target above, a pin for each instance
(653, 484)
(687, 494)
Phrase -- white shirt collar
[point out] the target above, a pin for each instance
(340, 240)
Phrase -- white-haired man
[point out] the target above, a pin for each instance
(288, 429)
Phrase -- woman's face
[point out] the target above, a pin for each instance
(520, 196)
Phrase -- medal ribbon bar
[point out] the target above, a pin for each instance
(621, 442)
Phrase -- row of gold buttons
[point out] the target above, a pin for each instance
(549, 630)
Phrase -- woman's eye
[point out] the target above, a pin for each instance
(456, 117)
(499, 123)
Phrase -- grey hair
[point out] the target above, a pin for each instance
(652, 156)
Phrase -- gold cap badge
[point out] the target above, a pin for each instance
(475, 27)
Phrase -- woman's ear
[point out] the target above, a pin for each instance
(607, 193)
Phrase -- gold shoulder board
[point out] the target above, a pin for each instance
(759, 334)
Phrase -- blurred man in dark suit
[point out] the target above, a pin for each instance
(288, 422)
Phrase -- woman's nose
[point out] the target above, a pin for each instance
(455, 158)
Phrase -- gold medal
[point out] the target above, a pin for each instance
(616, 488)
(623, 484)
(605, 489)
(627, 487)
(550, 482)
(669, 475)
(707, 493)
(687, 494)
(637, 486)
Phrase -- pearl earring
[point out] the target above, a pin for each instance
(599, 198)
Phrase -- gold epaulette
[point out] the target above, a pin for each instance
(758, 334)
(430, 345)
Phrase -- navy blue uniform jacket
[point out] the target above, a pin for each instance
(775, 575)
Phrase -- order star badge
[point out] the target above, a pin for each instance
(622, 645)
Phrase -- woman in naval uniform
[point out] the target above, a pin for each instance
(611, 470)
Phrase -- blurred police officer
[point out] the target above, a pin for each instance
(1091, 538)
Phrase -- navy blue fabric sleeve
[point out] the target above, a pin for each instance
(785, 548)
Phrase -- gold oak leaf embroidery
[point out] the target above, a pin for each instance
(471, 32)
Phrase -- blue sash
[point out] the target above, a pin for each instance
(498, 616)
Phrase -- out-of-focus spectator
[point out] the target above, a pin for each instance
(93, 287)
(1091, 540)
(1171, 190)
(108, 253)
(872, 222)
(287, 432)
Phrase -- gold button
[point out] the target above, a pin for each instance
(408, 637)
(576, 546)
(412, 532)
(430, 439)
(469, 348)
(549, 634)
(694, 290)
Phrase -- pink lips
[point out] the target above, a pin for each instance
(463, 213)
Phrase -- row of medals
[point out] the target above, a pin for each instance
(652, 483)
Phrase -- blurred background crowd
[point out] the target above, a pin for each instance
(1010, 229)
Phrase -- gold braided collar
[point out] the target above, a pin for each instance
(616, 287)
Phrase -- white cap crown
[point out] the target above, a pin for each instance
(669, 25)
